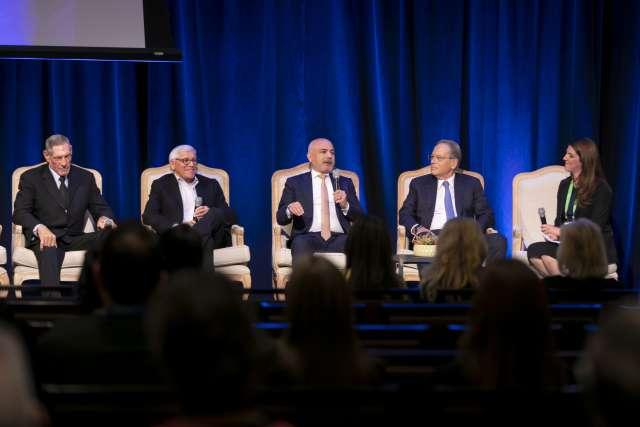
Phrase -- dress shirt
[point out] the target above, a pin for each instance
(316, 180)
(188, 194)
(439, 213)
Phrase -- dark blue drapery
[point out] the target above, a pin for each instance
(514, 82)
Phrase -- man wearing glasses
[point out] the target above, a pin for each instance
(444, 194)
(50, 206)
(186, 197)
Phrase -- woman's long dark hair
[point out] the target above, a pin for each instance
(592, 171)
(508, 342)
(369, 256)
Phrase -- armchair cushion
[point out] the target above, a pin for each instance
(26, 258)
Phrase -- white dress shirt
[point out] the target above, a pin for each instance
(188, 194)
(316, 180)
(439, 213)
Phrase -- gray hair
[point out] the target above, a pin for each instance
(454, 148)
(174, 153)
(54, 141)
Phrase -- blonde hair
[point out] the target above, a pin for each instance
(582, 252)
(461, 251)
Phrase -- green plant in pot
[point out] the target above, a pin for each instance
(424, 244)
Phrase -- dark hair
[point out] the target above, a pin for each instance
(369, 258)
(609, 370)
(202, 335)
(321, 334)
(508, 341)
(592, 171)
(180, 248)
(129, 264)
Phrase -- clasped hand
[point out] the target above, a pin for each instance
(339, 197)
(551, 231)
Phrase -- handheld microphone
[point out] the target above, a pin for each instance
(336, 175)
(198, 203)
(541, 214)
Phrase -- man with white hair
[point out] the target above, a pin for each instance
(186, 197)
(321, 214)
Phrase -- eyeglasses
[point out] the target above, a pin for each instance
(440, 158)
(59, 159)
(186, 161)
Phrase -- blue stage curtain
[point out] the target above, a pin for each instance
(513, 82)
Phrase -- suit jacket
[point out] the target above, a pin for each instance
(299, 188)
(599, 211)
(39, 202)
(164, 208)
(470, 202)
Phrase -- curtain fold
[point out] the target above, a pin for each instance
(513, 82)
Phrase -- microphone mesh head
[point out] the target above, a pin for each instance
(335, 173)
(541, 212)
(198, 201)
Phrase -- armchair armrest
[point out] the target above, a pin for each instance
(237, 235)
(517, 242)
(17, 238)
(402, 239)
(277, 237)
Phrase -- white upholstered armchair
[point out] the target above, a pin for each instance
(402, 247)
(281, 254)
(531, 191)
(232, 261)
(25, 265)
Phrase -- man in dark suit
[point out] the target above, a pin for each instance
(185, 196)
(50, 206)
(444, 194)
(321, 214)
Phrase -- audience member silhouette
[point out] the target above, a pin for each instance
(19, 406)
(508, 342)
(582, 258)
(204, 339)
(321, 347)
(181, 248)
(460, 252)
(609, 370)
(370, 266)
(109, 346)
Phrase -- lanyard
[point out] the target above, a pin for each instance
(569, 208)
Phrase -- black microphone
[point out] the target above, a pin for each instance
(336, 175)
(541, 214)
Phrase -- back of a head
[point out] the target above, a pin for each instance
(369, 255)
(180, 248)
(508, 342)
(609, 370)
(19, 407)
(129, 264)
(203, 336)
(318, 302)
(582, 252)
(461, 251)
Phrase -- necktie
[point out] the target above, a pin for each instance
(325, 224)
(448, 203)
(64, 191)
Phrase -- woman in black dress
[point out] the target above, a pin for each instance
(584, 194)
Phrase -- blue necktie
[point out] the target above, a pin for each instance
(448, 203)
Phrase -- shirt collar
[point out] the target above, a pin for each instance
(56, 177)
(449, 180)
(316, 174)
(192, 183)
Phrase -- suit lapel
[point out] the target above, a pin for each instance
(458, 189)
(432, 189)
(74, 184)
(50, 185)
(175, 189)
(307, 195)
